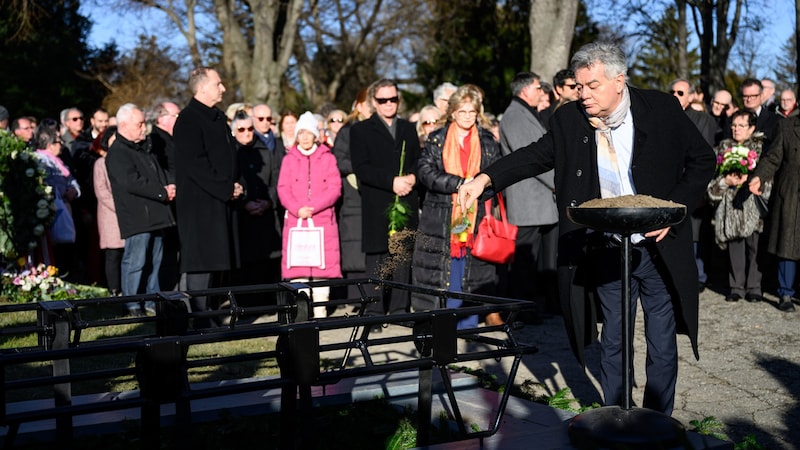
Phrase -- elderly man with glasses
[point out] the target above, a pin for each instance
(531, 202)
(767, 122)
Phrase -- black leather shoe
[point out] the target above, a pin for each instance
(376, 329)
(701, 287)
(786, 304)
(753, 298)
(733, 298)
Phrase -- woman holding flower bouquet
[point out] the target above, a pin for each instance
(738, 219)
(442, 251)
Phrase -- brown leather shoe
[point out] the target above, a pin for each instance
(494, 319)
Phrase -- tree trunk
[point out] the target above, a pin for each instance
(683, 41)
(552, 24)
(797, 41)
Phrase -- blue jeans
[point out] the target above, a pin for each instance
(787, 268)
(135, 259)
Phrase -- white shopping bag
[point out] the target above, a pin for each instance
(306, 246)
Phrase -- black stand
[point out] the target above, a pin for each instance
(626, 426)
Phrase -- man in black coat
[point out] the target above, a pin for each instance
(141, 198)
(163, 120)
(375, 148)
(206, 177)
(660, 153)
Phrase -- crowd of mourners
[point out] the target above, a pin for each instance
(168, 198)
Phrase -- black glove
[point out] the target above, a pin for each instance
(741, 195)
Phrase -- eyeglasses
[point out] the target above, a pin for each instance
(429, 122)
(680, 93)
(75, 119)
(170, 115)
(383, 101)
(336, 120)
(720, 104)
(751, 97)
(461, 113)
(537, 87)
(571, 86)
(267, 118)
(740, 125)
(243, 129)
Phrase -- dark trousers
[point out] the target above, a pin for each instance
(647, 284)
(199, 281)
(744, 276)
(532, 273)
(113, 269)
(394, 301)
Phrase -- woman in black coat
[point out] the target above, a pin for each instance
(452, 154)
(259, 237)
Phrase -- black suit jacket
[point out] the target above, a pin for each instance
(671, 160)
(376, 161)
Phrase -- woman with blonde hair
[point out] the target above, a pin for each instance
(442, 253)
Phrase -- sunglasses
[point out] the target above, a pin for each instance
(243, 129)
(382, 101)
(680, 93)
(268, 119)
(429, 122)
(336, 119)
(75, 119)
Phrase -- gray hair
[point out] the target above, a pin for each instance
(607, 53)
(521, 81)
(124, 112)
(440, 90)
(678, 80)
(64, 115)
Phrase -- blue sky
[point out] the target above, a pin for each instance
(124, 27)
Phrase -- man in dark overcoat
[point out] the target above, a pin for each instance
(376, 145)
(206, 181)
(660, 153)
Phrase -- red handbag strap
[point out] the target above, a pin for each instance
(502, 204)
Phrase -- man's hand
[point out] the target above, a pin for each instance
(755, 185)
(658, 234)
(170, 188)
(238, 190)
(402, 185)
(471, 190)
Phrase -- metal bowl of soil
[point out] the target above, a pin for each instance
(627, 214)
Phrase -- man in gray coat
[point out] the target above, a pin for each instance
(531, 202)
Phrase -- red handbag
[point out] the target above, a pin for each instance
(495, 240)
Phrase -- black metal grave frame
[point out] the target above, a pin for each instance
(161, 363)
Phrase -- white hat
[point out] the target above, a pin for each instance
(307, 122)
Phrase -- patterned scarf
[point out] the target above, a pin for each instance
(607, 166)
(452, 160)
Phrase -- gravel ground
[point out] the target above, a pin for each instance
(748, 375)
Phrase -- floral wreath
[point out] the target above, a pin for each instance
(26, 202)
(736, 159)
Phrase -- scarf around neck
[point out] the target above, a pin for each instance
(451, 159)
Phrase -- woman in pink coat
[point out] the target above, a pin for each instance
(111, 243)
(309, 185)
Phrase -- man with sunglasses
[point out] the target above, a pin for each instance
(531, 202)
(565, 86)
(701, 214)
(376, 145)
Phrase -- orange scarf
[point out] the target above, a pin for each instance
(451, 158)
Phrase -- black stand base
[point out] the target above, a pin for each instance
(636, 428)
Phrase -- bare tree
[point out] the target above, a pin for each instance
(552, 24)
(344, 42)
(257, 39)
